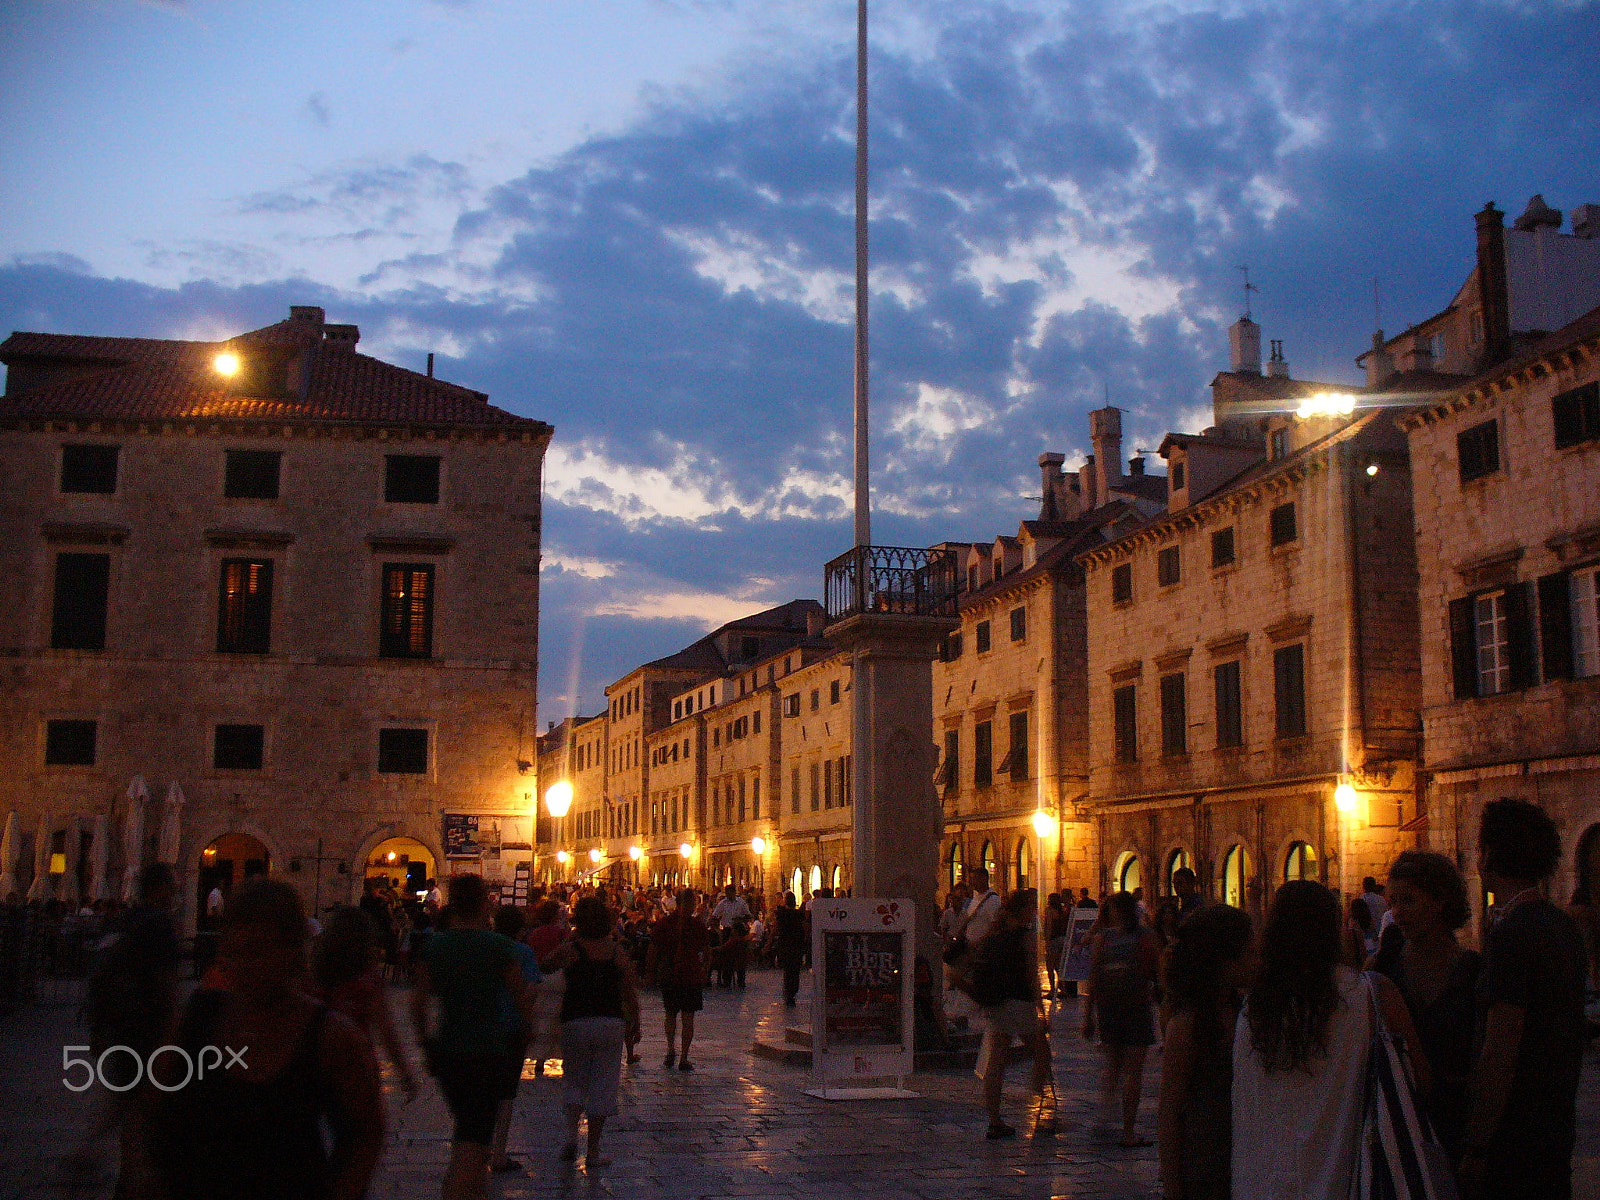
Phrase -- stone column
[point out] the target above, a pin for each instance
(898, 818)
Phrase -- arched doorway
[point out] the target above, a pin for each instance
(838, 875)
(1177, 861)
(816, 880)
(1024, 863)
(956, 866)
(1130, 874)
(402, 863)
(797, 885)
(1300, 863)
(224, 865)
(1235, 878)
(987, 858)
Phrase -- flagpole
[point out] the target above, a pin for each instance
(863, 509)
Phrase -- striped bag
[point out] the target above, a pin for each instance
(1399, 1158)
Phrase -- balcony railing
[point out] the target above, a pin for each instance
(892, 579)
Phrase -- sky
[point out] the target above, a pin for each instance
(632, 219)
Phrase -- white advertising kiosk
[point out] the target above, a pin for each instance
(863, 953)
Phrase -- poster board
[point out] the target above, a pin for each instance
(1077, 953)
(863, 953)
(461, 835)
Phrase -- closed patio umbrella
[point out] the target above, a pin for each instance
(171, 825)
(68, 889)
(10, 854)
(133, 838)
(99, 855)
(39, 889)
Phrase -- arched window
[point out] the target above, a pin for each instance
(837, 875)
(1024, 863)
(1177, 860)
(956, 866)
(1235, 879)
(797, 885)
(816, 879)
(1300, 863)
(988, 860)
(1129, 873)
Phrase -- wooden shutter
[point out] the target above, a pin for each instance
(1519, 633)
(1464, 647)
(1555, 625)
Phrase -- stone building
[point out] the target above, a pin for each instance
(816, 743)
(269, 604)
(1255, 646)
(1507, 470)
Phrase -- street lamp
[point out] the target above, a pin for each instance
(758, 844)
(1044, 824)
(635, 853)
(594, 855)
(685, 850)
(226, 364)
(1344, 798)
(558, 800)
(562, 856)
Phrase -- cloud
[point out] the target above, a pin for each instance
(316, 108)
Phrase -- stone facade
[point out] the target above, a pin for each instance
(229, 651)
(1507, 554)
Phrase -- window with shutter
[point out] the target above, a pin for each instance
(407, 617)
(1174, 716)
(1493, 643)
(1283, 527)
(1125, 714)
(244, 606)
(403, 751)
(982, 754)
(816, 786)
(251, 474)
(78, 614)
(1167, 566)
(794, 792)
(1019, 624)
(1122, 583)
(981, 637)
(411, 478)
(1584, 622)
(1521, 652)
(1577, 415)
(238, 747)
(1017, 756)
(69, 743)
(1478, 451)
(1289, 687)
(89, 469)
(1464, 647)
(1230, 706)
(1222, 547)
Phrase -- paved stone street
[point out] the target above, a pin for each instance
(736, 1126)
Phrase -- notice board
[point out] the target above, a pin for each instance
(863, 953)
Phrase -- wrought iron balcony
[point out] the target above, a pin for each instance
(892, 579)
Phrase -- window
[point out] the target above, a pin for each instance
(1577, 415)
(1122, 583)
(407, 617)
(1017, 756)
(1300, 863)
(981, 637)
(1019, 624)
(1584, 605)
(91, 469)
(1494, 649)
(816, 786)
(982, 754)
(1222, 547)
(403, 751)
(1478, 451)
(1125, 719)
(1179, 477)
(411, 478)
(69, 743)
(1278, 444)
(755, 797)
(1167, 566)
(950, 648)
(1236, 870)
(251, 474)
(244, 606)
(239, 748)
(1289, 689)
(948, 778)
(794, 791)
(749, 647)
(956, 869)
(1283, 524)
(1174, 716)
(833, 692)
(78, 616)
(816, 699)
(1230, 705)
(827, 784)
(972, 579)
(741, 797)
(791, 704)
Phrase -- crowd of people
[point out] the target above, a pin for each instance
(1271, 1037)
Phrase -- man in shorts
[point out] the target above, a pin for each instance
(679, 952)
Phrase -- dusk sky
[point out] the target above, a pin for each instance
(631, 218)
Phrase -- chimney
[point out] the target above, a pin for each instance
(1492, 288)
(430, 364)
(341, 337)
(1586, 221)
(1420, 356)
(307, 314)
(1086, 482)
(1244, 347)
(1277, 365)
(1378, 369)
(1105, 431)
(1051, 481)
(1538, 215)
(815, 620)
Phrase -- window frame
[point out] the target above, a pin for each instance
(1283, 524)
(244, 624)
(393, 751)
(1173, 688)
(234, 481)
(393, 641)
(1485, 458)
(394, 482)
(89, 451)
(1125, 723)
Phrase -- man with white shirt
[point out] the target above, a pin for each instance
(983, 910)
(732, 907)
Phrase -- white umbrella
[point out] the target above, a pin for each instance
(171, 824)
(133, 838)
(99, 853)
(10, 854)
(69, 878)
(39, 889)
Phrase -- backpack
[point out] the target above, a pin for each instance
(987, 981)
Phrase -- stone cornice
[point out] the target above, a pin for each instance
(539, 434)
(1486, 389)
(84, 533)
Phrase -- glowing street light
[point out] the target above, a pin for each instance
(635, 853)
(562, 857)
(685, 850)
(1327, 404)
(1044, 824)
(558, 799)
(758, 844)
(226, 364)
(1344, 798)
(594, 855)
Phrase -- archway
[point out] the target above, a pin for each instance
(956, 866)
(1235, 878)
(224, 865)
(1024, 863)
(816, 880)
(837, 876)
(987, 859)
(1300, 863)
(797, 885)
(1177, 861)
(402, 863)
(1130, 874)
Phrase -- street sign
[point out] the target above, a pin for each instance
(863, 953)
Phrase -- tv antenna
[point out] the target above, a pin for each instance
(1248, 288)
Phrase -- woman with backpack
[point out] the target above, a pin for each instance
(1122, 972)
(1003, 981)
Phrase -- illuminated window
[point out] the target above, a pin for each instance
(407, 617)
(1300, 863)
(244, 606)
(1236, 877)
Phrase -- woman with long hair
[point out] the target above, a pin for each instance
(1300, 1054)
(1123, 962)
(1207, 968)
(346, 970)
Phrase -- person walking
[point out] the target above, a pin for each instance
(1056, 922)
(1004, 982)
(1300, 1054)
(1522, 1109)
(348, 979)
(471, 971)
(1208, 966)
(1437, 978)
(598, 1009)
(255, 1129)
(1122, 970)
(679, 952)
(789, 925)
(509, 922)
